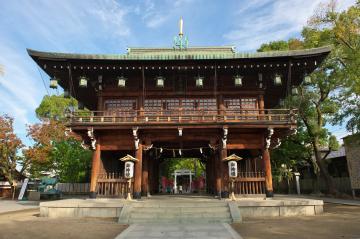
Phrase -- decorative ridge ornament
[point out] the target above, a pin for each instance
(181, 42)
(232, 157)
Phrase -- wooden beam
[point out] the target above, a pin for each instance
(138, 172)
(244, 146)
(95, 170)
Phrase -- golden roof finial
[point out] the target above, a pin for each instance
(181, 23)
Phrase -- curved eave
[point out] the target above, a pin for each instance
(179, 55)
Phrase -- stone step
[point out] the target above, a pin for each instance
(181, 205)
(181, 209)
(181, 220)
(177, 212)
(179, 215)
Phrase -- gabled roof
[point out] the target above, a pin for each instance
(232, 157)
(191, 53)
(337, 154)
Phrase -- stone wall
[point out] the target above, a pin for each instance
(352, 149)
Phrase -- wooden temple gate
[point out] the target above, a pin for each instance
(226, 100)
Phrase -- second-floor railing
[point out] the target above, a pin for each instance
(281, 116)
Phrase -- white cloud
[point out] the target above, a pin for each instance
(68, 26)
(155, 15)
(264, 21)
(112, 15)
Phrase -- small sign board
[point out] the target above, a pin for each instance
(129, 169)
(232, 169)
(23, 188)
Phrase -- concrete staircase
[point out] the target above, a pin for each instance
(177, 212)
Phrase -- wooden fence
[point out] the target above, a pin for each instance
(113, 185)
(73, 188)
(307, 185)
(250, 183)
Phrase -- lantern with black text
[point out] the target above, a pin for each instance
(129, 169)
(232, 169)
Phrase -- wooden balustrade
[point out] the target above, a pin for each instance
(281, 116)
(250, 183)
(113, 185)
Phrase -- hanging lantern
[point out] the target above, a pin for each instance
(307, 79)
(199, 81)
(83, 82)
(294, 91)
(121, 82)
(80, 105)
(66, 94)
(277, 80)
(160, 81)
(54, 83)
(282, 102)
(238, 80)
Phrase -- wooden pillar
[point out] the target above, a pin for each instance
(212, 174)
(156, 176)
(95, 170)
(138, 172)
(225, 172)
(151, 174)
(218, 173)
(145, 175)
(268, 175)
(145, 171)
(100, 103)
(261, 102)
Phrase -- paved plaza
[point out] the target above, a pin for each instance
(337, 221)
(7, 206)
(159, 231)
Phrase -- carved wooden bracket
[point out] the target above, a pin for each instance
(224, 138)
(180, 131)
(136, 138)
(268, 137)
(91, 135)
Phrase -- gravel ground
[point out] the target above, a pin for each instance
(337, 221)
(28, 224)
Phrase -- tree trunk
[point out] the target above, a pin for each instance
(323, 169)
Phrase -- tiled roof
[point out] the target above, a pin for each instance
(192, 53)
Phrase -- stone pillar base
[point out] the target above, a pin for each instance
(137, 195)
(269, 194)
(92, 195)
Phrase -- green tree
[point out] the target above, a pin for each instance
(314, 102)
(343, 29)
(71, 161)
(291, 44)
(54, 107)
(172, 164)
(10, 145)
(293, 153)
(55, 148)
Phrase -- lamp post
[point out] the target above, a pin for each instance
(233, 172)
(129, 172)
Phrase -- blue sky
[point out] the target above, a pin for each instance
(109, 26)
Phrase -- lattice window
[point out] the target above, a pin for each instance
(152, 106)
(241, 106)
(207, 105)
(232, 104)
(121, 107)
(248, 103)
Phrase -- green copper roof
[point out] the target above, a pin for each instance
(191, 53)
